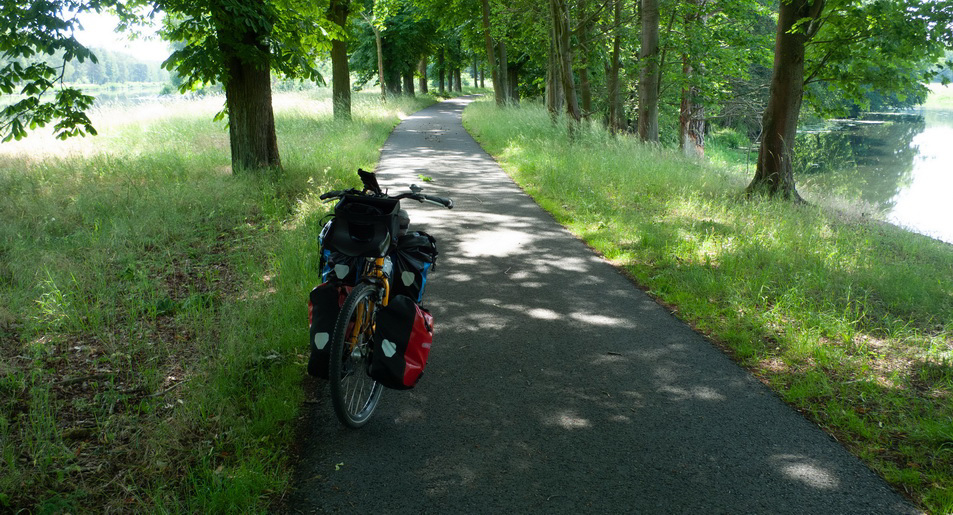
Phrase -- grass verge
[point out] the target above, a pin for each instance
(152, 305)
(848, 319)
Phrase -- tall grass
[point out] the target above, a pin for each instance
(152, 305)
(849, 319)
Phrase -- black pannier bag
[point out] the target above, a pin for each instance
(324, 305)
(401, 344)
(363, 226)
(415, 256)
(336, 266)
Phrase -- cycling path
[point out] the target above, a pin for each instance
(555, 385)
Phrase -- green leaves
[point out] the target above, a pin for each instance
(31, 32)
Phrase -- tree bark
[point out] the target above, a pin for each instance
(251, 119)
(409, 83)
(691, 119)
(615, 97)
(380, 62)
(560, 12)
(513, 82)
(504, 72)
(774, 175)
(441, 72)
(691, 116)
(649, 73)
(491, 58)
(458, 80)
(340, 70)
(554, 90)
(422, 71)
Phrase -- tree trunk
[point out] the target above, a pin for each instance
(441, 72)
(615, 97)
(554, 90)
(340, 70)
(513, 82)
(380, 62)
(251, 119)
(560, 12)
(482, 77)
(585, 89)
(649, 73)
(774, 175)
(691, 116)
(491, 58)
(408, 77)
(504, 72)
(458, 80)
(691, 119)
(422, 71)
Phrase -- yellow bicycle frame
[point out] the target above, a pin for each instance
(377, 273)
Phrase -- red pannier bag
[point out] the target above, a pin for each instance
(401, 344)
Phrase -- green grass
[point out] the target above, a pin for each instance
(152, 305)
(940, 97)
(850, 320)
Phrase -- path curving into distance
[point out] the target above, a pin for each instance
(555, 385)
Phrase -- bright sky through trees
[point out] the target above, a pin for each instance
(99, 31)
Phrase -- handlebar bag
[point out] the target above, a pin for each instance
(415, 256)
(324, 304)
(401, 344)
(363, 226)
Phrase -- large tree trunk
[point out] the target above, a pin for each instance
(491, 58)
(251, 119)
(615, 97)
(649, 73)
(560, 12)
(380, 62)
(585, 89)
(422, 71)
(554, 89)
(691, 119)
(513, 83)
(340, 71)
(458, 80)
(409, 83)
(504, 72)
(775, 175)
(691, 116)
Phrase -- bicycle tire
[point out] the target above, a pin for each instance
(354, 394)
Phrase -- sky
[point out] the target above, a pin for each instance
(99, 31)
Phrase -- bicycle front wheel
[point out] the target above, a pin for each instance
(354, 394)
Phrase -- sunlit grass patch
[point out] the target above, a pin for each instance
(152, 303)
(845, 316)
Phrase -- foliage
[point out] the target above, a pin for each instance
(881, 52)
(26, 30)
(294, 33)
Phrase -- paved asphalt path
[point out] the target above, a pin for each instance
(555, 385)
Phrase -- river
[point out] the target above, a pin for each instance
(899, 163)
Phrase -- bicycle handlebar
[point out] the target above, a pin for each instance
(419, 197)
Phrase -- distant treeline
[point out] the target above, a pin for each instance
(111, 67)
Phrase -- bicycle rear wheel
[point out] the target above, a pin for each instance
(354, 394)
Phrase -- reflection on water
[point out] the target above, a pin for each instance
(900, 163)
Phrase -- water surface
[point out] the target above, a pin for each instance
(900, 163)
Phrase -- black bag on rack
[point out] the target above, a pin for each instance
(324, 304)
(415, 257)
